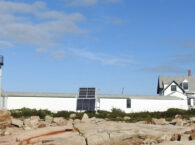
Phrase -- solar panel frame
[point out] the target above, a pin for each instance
(86, 99)
(86, 104)
(87, 92)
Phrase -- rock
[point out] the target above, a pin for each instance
(176, 137)
(127, 118)
(48, 119)
(6, 131)
(85, 116)
(192, 119)
(42, 124)
(192, 136)
(32, 122)
(142, 122)
(178, 116)
(60, 121)
(177, 122)
(35, 118)
(160, 121)
(5, 118)
(98, 139)
(190, 131)
(17, 122)
(76, 121)
(27, 128)
(73, 115)
(69, 122)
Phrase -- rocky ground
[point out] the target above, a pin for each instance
(94, 131)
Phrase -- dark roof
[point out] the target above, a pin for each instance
(178, 79)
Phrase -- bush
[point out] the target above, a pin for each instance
(115, 114)
(64, 114)
(26, 112)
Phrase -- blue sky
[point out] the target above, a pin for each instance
(61, 45)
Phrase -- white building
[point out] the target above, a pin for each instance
(174, 92)
(57, 101)
(180, 86)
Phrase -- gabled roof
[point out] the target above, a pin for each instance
(176, 84)
(178, 79)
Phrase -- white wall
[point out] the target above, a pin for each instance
(168, 90)
(140, 105)
(52, 104)
(69, 104)
(179, 94)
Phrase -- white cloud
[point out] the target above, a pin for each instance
(88, 2)
(187, 57)
(102, 58)
(165, 68)
(41, 50)
(35, 24)
(113, 1)
(81, 2)
(58, 54)
(5, 44)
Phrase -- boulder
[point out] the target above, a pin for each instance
(5, 118)
(192, 119)
(178, 116)
(42, 124)
(6, 131)
(160, 121)
(127, 118)
(73, 115)
(76, 121)
(69, 122)
(192, 136)
(142, 122)
(176, 137)
(48, 119)
(60, 121)
(32, 122)
(17, 122)
(177, 122)
(85, 116)
(35, 118)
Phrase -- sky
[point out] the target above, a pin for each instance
(61, 45)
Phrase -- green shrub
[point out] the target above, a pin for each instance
(26, 112)
(115, 114)
(64, 114)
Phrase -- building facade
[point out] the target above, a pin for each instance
(180, 86)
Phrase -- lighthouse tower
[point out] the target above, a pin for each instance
(2, 100)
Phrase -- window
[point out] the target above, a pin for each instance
(128, 103)
(173, 88)
(189, 101)
(185, 86)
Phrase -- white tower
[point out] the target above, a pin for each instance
(2, 100)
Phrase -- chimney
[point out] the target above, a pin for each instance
(189, 72)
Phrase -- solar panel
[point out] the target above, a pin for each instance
(86, 104)
(79, 104)
(87, 92)
(86, 99)
(92, 105)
